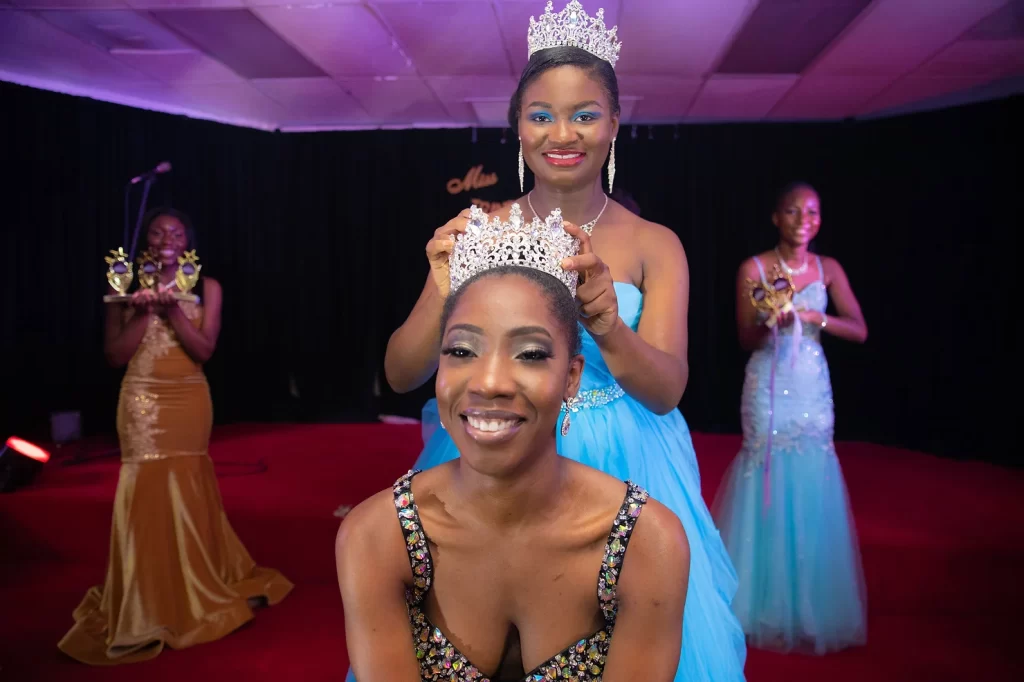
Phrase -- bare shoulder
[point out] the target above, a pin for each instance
(210, 284)
(366, 530)
(832, 269)
(657, 563)
(656, 238)
(748, 268)
(598, 485)
(830, 264)
(213, 294)
(659, 532)
(661, 527)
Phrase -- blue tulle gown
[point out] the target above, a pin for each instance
(791, 537)
(614, 433)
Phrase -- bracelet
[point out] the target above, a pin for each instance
(824, 320)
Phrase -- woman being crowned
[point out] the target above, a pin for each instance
(632, 299)
(511, 562)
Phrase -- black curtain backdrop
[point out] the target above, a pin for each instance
(318, 240)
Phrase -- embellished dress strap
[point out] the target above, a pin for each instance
(415, 539)
(615, 550)
(760, 269)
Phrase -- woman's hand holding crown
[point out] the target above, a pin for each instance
(595, 292)
(439, 249)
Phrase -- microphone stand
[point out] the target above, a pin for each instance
(142, 212)
(79, 457)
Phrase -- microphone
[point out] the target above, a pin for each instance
(162, 167)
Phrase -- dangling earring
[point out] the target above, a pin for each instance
(522, 170)
(566, 420)
(611, 167)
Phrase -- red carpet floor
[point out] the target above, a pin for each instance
(942, 541)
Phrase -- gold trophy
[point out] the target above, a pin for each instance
(119, 275)
(774, 299)
(187, 276)
(149, 271)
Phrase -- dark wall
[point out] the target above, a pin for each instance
(318, 240)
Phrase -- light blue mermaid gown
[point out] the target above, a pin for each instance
(793, 542)
(614, 433)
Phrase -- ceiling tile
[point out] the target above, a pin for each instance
(344, 40)
(895, 36)
(32, 46)
(397, 101)
(917, 88)
(660, 98)
(185, 4)
(819, 97)
(680, 38)
(738, 98)
(319, 102)
(193, 67)
(466, 97)
(784, 36)
(296, 3)
(241, 41)
(241, 102)
(70, 4)
(473, 46)
(117, 30)
(1005, 23)
(980, 59)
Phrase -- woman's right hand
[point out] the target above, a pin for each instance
(439, 249)
(144, 300)
(785, 319)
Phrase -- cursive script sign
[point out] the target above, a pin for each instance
(475, 179)
(491, 206)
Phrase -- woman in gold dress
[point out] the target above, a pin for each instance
(177, 574)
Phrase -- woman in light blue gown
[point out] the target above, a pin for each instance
(782, 507)
(633, 299)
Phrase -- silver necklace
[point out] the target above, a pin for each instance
(588, 227)
(792, 272)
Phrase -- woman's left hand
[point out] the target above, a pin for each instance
(599, 306)
(812, 317)
(165, 302)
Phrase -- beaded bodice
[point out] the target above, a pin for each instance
(581, 661)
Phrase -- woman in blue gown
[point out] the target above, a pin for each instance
(783, 507)
(633, 300)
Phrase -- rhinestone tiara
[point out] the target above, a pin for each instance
(573, 27)
(516, 243)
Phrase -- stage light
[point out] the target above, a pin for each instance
(20, 461)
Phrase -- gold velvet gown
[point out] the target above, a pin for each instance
(177, 574)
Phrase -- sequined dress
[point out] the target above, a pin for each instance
(177, 575)
(615, 434)
(581, 661)
(792, 541)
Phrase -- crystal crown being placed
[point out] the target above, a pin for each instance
(573, 27)
(516, 243)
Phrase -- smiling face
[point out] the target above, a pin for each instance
(798, 217)
(167, 239)
(566, 125)
(506, 367)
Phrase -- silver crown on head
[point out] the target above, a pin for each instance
(573, 27)
(515, 243)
